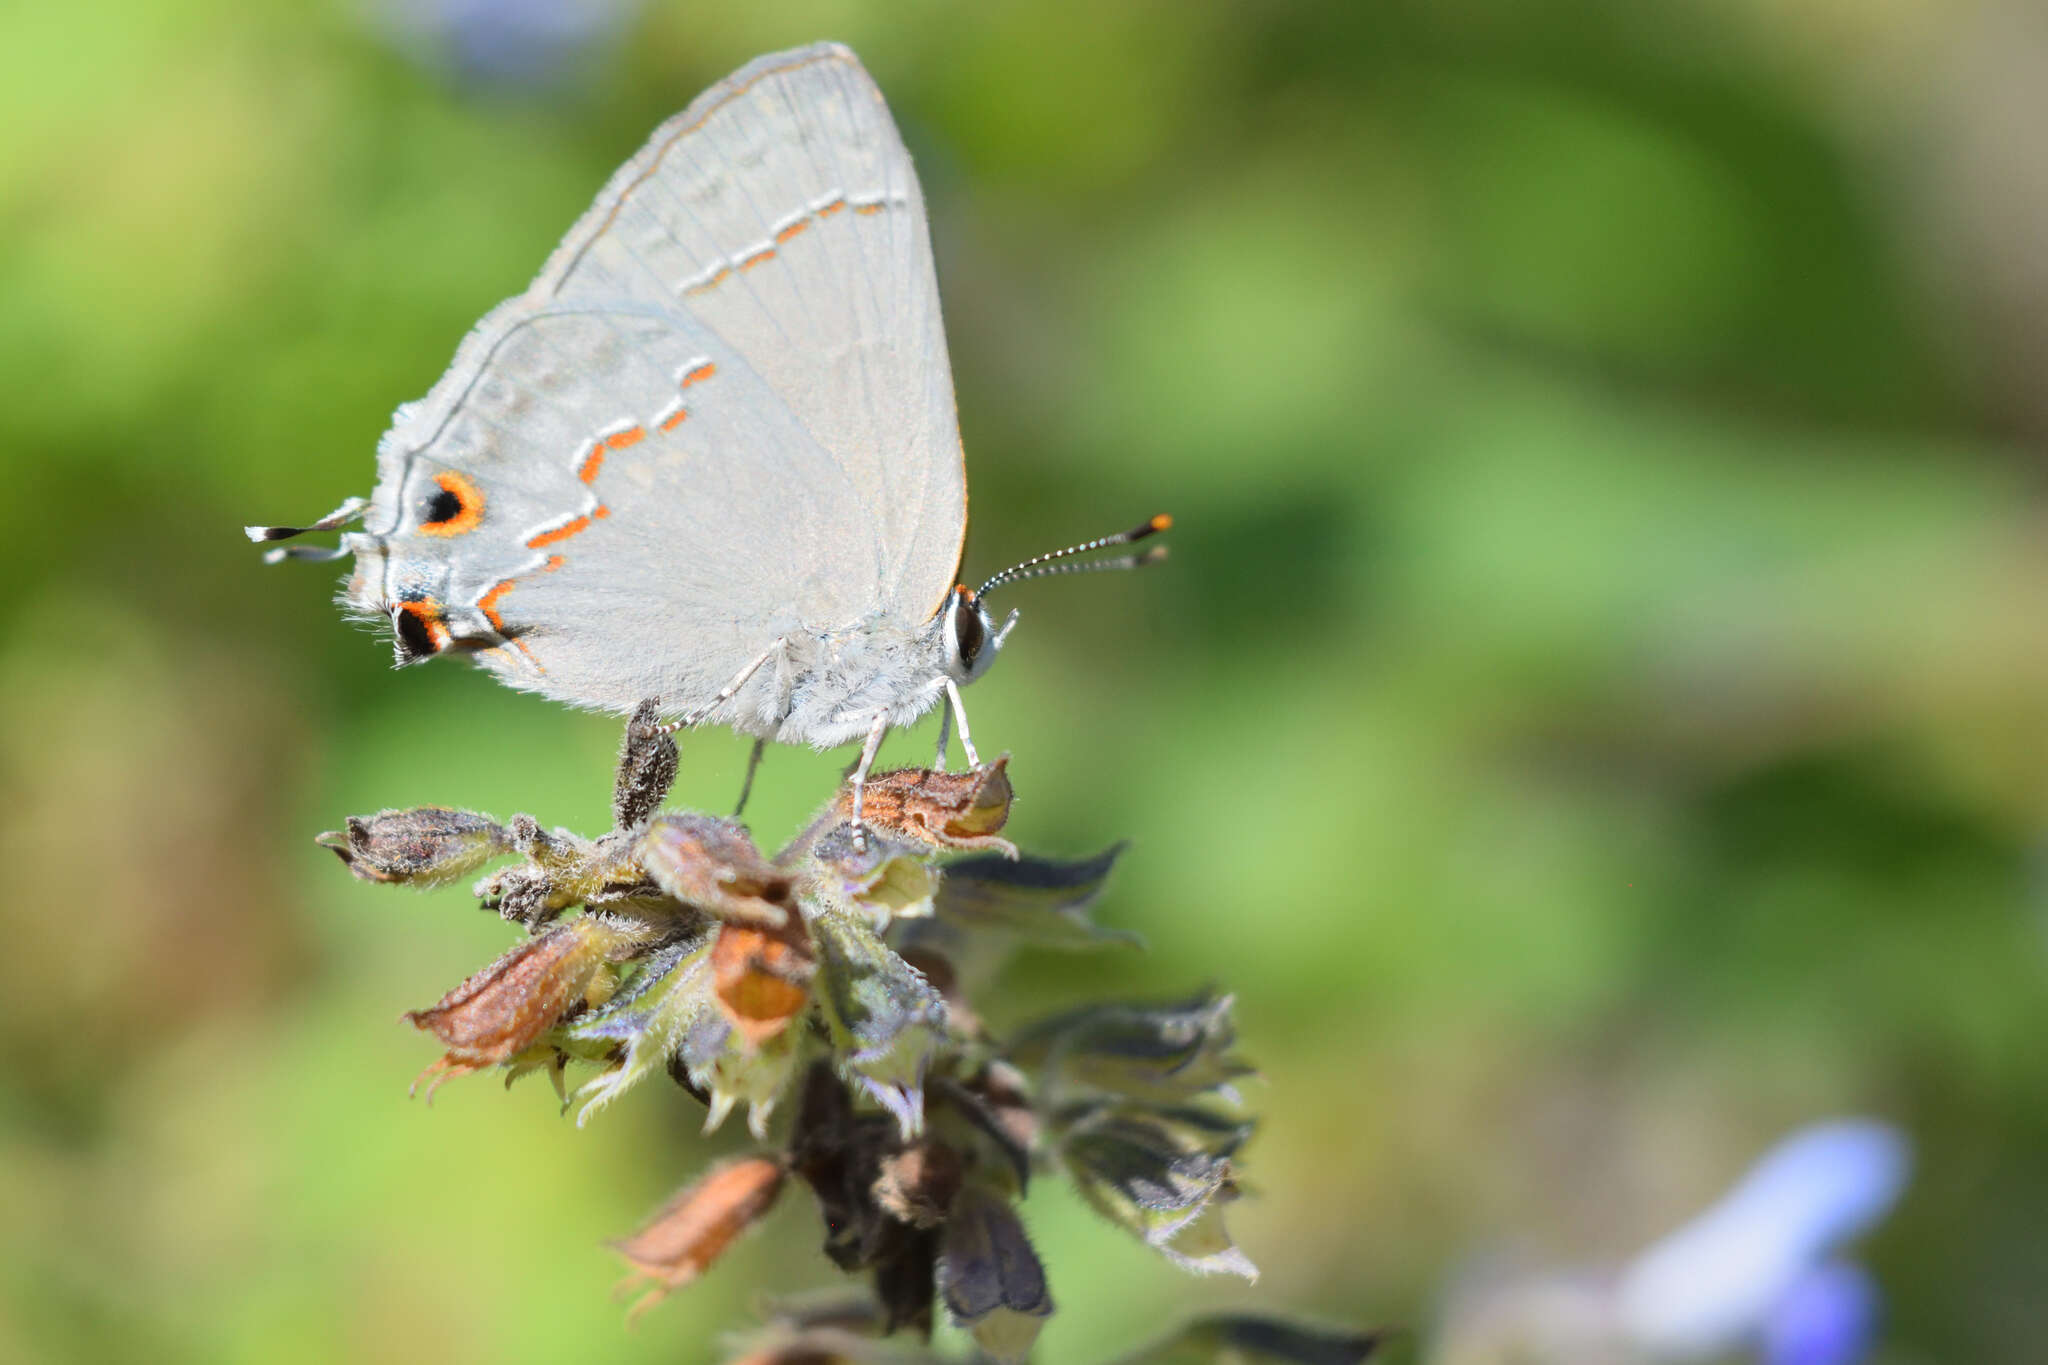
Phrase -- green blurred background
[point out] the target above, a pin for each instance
(1595, 715)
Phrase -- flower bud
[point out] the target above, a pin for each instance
(647, 768)
(1152, 1180)
(1166, 1053)
(425, 846)
(1042, 901)
(883, 1018)
(989, 1277)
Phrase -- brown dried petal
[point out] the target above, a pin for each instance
(425, 846)
(762, 976)
(713, 865)
(696, 1226)
(917, 1184)
(505, 1008)
(950, 810)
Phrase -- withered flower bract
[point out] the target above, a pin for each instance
(696, 1225)
(506, 1009)
(948, 810)
(762, 976)
(839, 975)
(712, 865)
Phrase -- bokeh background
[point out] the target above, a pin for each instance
(1595, 716)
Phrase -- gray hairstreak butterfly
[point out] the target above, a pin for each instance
(710, 456)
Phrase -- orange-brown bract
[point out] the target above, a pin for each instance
(697, 1225)
(949, 810)
(762, 976)
(505, 1009)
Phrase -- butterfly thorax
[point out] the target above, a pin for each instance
(826, 687)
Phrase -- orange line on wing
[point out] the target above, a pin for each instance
(876, 207)
(669, 144)
(763, 254)
(488, 604)
(631, 436)
(674, 419)
(601, 511)
(829, 209)
(563, 532)
(716, 279)
(792, 230)
(554, 562)
(592, 462)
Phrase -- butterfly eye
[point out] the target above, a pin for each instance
(969, 634)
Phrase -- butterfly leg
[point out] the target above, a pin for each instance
(945, 734)
(868, 751)
(966, 740)
(725, 693)
(747, 787)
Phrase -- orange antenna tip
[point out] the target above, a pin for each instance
(1163, 521)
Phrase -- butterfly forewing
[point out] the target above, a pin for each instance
(781, 210)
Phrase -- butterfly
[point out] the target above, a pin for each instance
(710, 456)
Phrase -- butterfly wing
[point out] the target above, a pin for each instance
(781, 209)
(722, 412)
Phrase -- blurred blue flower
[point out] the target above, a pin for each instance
(1829, 1318)
(1756, 1275)
(1753, 1271)
(510, 43)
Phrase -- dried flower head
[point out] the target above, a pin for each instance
(834, 982)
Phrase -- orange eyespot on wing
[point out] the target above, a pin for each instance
(456, 510)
